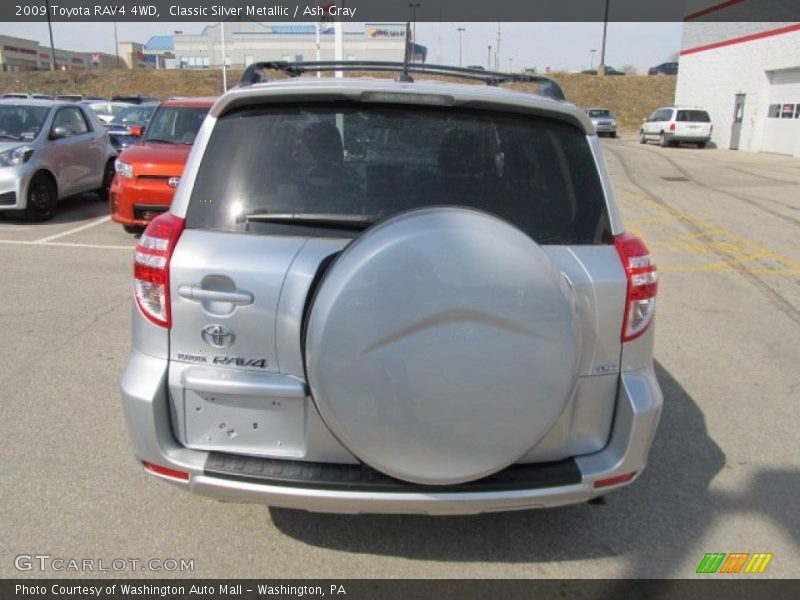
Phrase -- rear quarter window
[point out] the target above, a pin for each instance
(693, 116)
(374, 161)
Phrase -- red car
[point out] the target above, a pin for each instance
(147, 173)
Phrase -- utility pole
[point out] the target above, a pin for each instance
(338, 41)
(601, 69)
(489, 60)
(50, 29)
(116, 42)
(510, 61)
(460, 31)
(319, 74)
(414, 6)
(497, 51)
(224, 66)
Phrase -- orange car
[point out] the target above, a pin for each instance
(147, 173)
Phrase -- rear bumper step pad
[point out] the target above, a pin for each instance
(349, 477)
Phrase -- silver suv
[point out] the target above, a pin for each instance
(377, 296)
(605, 123)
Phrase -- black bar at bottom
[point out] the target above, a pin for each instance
(739, 588)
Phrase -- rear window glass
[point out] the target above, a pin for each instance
(599, 113)
(368, 162)
(694, 116)
(175, 124)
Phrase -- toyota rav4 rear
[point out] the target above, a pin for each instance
(372, 296)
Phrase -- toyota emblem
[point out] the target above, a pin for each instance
(217, 336)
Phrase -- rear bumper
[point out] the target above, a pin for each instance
(694, 139)
(144, 398)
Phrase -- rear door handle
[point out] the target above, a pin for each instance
(198, 294)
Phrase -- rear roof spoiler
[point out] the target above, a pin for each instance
(255, 73)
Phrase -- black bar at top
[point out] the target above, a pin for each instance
(359, 11)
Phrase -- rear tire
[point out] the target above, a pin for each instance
(701, 144)
(613, 134)
(662, 140)
(133, 229)
(42, 199)
(108, 177)
(642, 138)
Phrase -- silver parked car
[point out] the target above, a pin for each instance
(377, 296)
(605, 123)
(106, 110)
(50, 150)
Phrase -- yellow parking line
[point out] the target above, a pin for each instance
(737, 249)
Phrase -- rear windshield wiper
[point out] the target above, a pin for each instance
(8, 136)
(319, 219)
(160, 141)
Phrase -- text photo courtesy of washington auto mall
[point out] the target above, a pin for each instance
(389, 299)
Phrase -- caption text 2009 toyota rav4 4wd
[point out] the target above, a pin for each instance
(384, 296)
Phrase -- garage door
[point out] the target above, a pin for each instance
(782, 128)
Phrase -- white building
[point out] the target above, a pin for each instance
(247, 42)
(747, 75)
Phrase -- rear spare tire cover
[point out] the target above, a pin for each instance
(442, 345)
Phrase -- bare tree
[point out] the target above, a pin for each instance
(628, 69)
(674, 57)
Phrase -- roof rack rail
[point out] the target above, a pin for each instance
(254, 73)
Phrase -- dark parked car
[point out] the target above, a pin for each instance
(133, 99)
(609, 71)
(127, 127)
(667, 68)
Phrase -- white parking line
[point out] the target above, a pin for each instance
(75, 230)
(65, 245)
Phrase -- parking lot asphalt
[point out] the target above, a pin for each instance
(723, 473)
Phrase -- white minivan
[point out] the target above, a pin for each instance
(672, 125)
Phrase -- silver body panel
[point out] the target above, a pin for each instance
(76, 163)
(184, 398)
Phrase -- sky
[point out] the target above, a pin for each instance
(561, 46)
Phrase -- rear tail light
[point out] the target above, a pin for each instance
(640, 303)
(710, 129)
(151, 267)
(616, 480)
(165, 471)
(672, 126)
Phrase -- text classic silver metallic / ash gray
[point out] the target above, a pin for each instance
(380, 296)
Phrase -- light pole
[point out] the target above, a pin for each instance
(489, 60)
(591, 59)
(414, 6)
(460, 31)
(602, 68)
(116, 42)
(50, 29)
(510, 61)
(224, 59)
